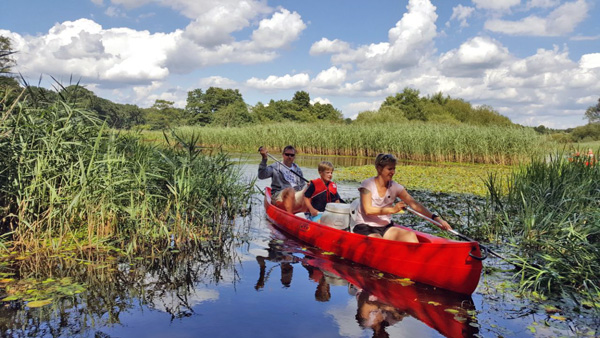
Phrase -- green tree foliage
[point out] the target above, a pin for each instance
(593, 113)
(436, 108)
(233, 115)
(163, 115)
(409, 102)
(202, 106)
(589, 132)
(299, 109)
(384, 115)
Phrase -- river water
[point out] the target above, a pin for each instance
(263, 284)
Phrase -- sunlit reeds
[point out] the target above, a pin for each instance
(408, 140)
(550, 215)
(66, 178)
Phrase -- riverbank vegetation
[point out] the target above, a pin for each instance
(67, 179)
(416, 141)
(548, 212)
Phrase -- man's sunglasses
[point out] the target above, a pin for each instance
(290, 155)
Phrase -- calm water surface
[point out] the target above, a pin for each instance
(264, 284)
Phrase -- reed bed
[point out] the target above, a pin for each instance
(408, 141)
(65, 178)
(550, 216)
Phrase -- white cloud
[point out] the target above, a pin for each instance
(462, 13)
(588, 61)
(473, 57)
(320, 100)
(217, 81)
(278, 83)
(326, 46)
(496, 5)
(330, 78)
(83, 49)
(278, 31)
(560, 21)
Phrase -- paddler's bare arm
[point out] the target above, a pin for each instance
(367, 206)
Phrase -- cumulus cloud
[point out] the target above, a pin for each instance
(279, 82)
(408, 42)
(473, 57)
(330, 78)
(84, 49)
(461, 14)
(589, 61)
(560, 21)
(278, 31)
(326, 46)
(320, 100)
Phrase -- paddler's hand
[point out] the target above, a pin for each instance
(399, 207)
(263, 152)
(443, 224)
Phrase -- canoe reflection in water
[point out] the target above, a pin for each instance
(383, 300)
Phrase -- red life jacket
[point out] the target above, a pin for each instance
(320, 188)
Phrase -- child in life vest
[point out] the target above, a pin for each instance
(320, 192)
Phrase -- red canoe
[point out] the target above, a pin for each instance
(436, 261)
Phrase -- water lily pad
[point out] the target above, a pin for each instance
(39, 303)
(451, 310)
(9, 298)
(561, 318)
(328, 253)
(434, 303)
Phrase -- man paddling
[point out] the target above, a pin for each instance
(287, 181)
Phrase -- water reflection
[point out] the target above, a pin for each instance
(172, 282)
(382, 301)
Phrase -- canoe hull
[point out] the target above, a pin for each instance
(435, 261)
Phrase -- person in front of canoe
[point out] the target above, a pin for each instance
(377, 196)
(320, 192)
(287, 189)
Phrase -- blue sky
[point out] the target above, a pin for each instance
(535, 61)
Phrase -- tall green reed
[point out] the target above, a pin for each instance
(408, 140)
(66, 178)
(549, 212)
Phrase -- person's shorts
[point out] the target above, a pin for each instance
(366, 230)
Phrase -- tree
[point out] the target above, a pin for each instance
(202, 106)
(302, 100)
(593, 113)
(232, 115)
(409, 102)
(162, 115)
